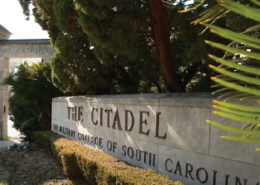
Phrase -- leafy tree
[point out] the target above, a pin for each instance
(239, 68)
(30, 106)
(81, 67)
(117, 43)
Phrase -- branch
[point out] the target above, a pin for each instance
(158, 86)
(190, 74)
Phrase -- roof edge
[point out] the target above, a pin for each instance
(1, 26)
(26, 41)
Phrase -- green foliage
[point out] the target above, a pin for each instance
(25, 5)
(79, 161)
(16, 147)
(23, 147)
(67, 68)
(239, 71)
(30, 106)
(108, 47)
(81, 64)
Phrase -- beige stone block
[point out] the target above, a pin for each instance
(55, 111)
(136, 152)
(2, 61)
(193, 168)
(230, 149)
(185, 127)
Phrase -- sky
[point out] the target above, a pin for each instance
(12, 18)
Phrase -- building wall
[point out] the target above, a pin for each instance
(164, 132)
(4, 34)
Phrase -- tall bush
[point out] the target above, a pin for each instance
(30, 105)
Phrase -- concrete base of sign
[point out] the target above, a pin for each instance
(163, 132)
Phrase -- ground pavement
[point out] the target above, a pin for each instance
(4, 144)
(12, 133)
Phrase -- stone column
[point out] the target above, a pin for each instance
(4, 95)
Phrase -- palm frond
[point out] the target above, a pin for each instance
(238, 76)
(239, 68)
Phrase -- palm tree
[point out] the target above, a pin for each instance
(239, 68)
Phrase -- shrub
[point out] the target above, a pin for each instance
(96, 167)
(30, 106)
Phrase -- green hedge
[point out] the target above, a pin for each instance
(95, 166)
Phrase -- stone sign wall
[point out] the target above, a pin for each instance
(22, 50)
(164, 132)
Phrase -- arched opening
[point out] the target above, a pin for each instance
(13, 52)
(14, 63)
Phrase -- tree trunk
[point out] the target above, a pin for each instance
(161, 31)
